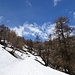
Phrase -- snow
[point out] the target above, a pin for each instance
(8, 49)
(10, 65)
(6, 59)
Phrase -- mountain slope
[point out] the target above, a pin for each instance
(9, 65)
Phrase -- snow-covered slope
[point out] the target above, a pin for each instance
(10, 65)
(6, 59)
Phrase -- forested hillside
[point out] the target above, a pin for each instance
(58, 51)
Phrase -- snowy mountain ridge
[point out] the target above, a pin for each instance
(24, 64)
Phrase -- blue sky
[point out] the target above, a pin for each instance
(17, 13)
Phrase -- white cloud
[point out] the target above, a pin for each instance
(70, 12)
(1, 18)
(28, 3)
(74, 14)
(8, 21)
(34, 29)
(19, 30)
(56, 2)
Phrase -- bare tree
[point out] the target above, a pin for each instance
(63, 31)
(37, 39)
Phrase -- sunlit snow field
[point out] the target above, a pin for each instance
(9, 65)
